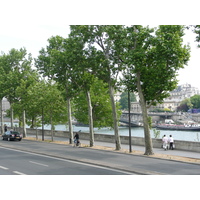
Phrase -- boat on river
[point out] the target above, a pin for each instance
(183, 127)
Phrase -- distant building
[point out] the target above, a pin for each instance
(182, 92)
(173, 101)
(117, 96)
(5, 104)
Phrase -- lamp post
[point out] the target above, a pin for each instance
(129, 120)
(42, 123)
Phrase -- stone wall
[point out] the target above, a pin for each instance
(179, 145)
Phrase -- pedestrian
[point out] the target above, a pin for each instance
(165, 142)
(76, 139)
(5, 128)
(171, 142)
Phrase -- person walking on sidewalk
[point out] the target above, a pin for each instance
(171, 142)
(165, 142)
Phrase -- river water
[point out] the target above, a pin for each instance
(139, 132)
(135, 131)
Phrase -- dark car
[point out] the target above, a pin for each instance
(12, 135)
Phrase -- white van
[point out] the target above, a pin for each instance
(169, 121)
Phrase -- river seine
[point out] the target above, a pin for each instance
(135, 131)
(138, 132)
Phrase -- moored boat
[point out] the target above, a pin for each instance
(185, 127)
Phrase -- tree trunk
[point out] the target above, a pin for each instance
(115, 118)
(36, 133)
(70, 120)
(32, 122)
(1, 107)
(90, 119)
(148, 141)
(24, 124)
(114, 112)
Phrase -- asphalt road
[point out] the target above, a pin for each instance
(65, 159)
(25, 163)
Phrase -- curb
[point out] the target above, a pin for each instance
(140, 153)
(102, 164)
(91, 162)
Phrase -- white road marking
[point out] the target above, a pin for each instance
(66, 160)
(4, 168)
(16, 172)
(20, 173)
(39, 163)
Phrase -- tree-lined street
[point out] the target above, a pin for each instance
(15, 162)
(66, 62)
(77, 76)
(36, 158)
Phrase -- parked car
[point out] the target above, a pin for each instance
(12, 135)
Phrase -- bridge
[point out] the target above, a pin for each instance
(133, 123)
(153, 113)
(137, 120)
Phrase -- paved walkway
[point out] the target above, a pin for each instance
(187, 154)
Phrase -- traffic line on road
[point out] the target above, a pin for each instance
(20, 173)
(16, 172)
(4, 168)
(71, 161)
(39, 164)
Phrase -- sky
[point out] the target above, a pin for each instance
(190, 73)
(30, 23)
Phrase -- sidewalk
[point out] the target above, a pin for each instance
(187, 156)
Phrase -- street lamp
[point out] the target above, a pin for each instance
(42, 123)
(129, 120)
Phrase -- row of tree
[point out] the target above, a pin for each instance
(97, 60)
(26, 92)
(35, 100)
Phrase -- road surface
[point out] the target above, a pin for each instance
(82, 160)
(17, 162)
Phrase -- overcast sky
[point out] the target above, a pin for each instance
(30, 23)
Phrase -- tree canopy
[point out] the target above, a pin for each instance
(147, 60)
(195, 100)
(197, 31)
(185, 105)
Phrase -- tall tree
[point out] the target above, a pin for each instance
(109, 69)
(85, 79)
(46, 99)
(22, 99)
(152, 58)
(16, 64)
(57, 62)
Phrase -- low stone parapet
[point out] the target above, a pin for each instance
(179, 144)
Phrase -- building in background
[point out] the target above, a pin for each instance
(117, 96)
(173, 101)
(5, 105)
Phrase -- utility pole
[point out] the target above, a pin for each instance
(42, 123)
(129, 120)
